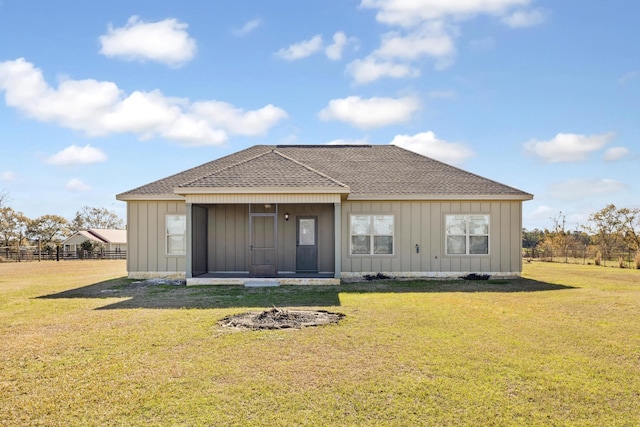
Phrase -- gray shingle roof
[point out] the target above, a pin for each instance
(365, 170)
(271, 169)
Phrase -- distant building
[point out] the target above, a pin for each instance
(111, 240)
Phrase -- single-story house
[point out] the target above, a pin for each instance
(300, 213)
(112, 240)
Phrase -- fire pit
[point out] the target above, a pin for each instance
(276, 318)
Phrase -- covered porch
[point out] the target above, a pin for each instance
(263, 239)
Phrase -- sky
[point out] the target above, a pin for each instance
(97, 98)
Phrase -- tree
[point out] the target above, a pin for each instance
(558, 235)
(4, 198)
(13, 227)
(48, 230)
(630, 227)
(606, 226)
(90, 217)
(530, 239)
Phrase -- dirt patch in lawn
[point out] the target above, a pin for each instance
(276, 318)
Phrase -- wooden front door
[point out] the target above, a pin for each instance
(263, 246)
(307, 244)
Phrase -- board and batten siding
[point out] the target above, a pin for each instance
(422, 223)
(228, 236)
(146, 238)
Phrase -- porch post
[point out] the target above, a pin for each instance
(337, 230)
(189, 255)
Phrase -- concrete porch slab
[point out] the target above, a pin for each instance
(262, 282)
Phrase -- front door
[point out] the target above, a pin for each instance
(263, 245)
(307, 245)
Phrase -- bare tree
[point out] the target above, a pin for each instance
(606, 226)
(558, 235)
(630, 228)
(4, 198)
(90, 217)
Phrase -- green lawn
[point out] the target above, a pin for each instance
(80, 345)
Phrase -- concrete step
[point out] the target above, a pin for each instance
(261, 283)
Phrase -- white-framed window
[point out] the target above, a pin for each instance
(467, 234)
(371, 234)
(176, 234)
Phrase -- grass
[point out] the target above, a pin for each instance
(81, 345)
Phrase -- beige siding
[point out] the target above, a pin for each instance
(228, 237)
(416, 223)
(77, 240)
(422, 223)
(146, 237)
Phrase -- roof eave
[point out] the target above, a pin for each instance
(521, 197)
(143, 197)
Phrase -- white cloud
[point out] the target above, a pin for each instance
(568, 147)
(577, 189)
(247, 28)
(238, 121)
(409, 13)
(397, 50)
(524, 18)
(340, 41)
(101, 108)
(370, 69)
(427, 144)
(302, 49)
(191, 131)
(430, 39)
(362, 141)
(75, 104)
(372, 112)
(543, 212)
(76, 185)
(7, 176)
(428, 28)
(615, 153)
(164, 41)
(74, 155)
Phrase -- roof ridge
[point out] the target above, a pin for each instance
(191, 169)
(96, 235)
(275, 151)
(185, 184)
(458, 169)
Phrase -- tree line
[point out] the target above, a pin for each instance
(608, 233)
(48, 231)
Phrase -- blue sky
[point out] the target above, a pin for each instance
(97, 98)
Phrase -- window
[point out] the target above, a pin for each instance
(176, 234)
(467, 234)
(371, 234)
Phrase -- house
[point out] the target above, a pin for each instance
(308, 213)
(111, 240)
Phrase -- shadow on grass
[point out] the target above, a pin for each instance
(144, 295)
